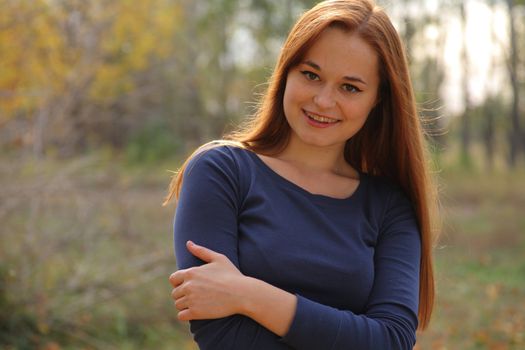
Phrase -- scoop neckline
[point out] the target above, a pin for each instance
(318, 197)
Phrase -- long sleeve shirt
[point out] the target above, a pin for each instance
(353, 263)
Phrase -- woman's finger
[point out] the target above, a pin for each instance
(181, 303)
(178, 292)
(203, 253)
(175, 294)
(185, 315)
(177, 278)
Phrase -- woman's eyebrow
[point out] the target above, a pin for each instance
(349, 78)
(354, 79)
(312, 64)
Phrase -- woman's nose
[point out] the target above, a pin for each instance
(324, 97)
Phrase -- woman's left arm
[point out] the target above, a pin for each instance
(389, 319)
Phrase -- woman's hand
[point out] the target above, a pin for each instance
(208, 291)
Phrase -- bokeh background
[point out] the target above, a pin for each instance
(99, 99)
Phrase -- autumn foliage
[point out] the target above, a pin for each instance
(63, 62)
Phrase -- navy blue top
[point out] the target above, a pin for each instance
(353, 263)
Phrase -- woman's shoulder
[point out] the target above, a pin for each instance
(382, 190)
(380, 185)
(389, 203)
(222, 154)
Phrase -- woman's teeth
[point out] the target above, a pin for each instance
(321, 119)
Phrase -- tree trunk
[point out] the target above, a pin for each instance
(490, 111)
(225, 75)
(489, 138)
(191, 112)
(465, 125)
(39, 130)
(515, 133)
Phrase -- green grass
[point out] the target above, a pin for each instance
(480, 265)
(87, 249)
(86, 253)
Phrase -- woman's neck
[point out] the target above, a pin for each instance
(308, 158)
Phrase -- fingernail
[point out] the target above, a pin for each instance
(191, 243)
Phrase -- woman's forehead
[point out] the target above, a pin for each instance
(345, 53)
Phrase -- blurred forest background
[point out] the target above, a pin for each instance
(99, 98)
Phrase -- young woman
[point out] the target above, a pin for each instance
(310, 228)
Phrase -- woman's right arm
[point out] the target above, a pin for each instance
(206, 214)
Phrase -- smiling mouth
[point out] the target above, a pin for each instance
(319, 118)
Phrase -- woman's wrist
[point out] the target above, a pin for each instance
(247, 298)
(269, 306)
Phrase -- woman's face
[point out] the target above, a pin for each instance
(329, 95)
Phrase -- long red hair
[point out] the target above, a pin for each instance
(390, 144)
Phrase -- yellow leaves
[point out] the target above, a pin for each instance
(140, 31)
(50, 47)
(32, 65)
(166, 21)
(110, 81)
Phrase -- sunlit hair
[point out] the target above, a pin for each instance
(391, 142)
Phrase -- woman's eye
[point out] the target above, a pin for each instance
(309, 75)
(350, 88)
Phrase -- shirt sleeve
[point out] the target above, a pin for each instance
(390, 318)
(207, 211)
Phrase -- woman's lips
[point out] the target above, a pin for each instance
(319, 121)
